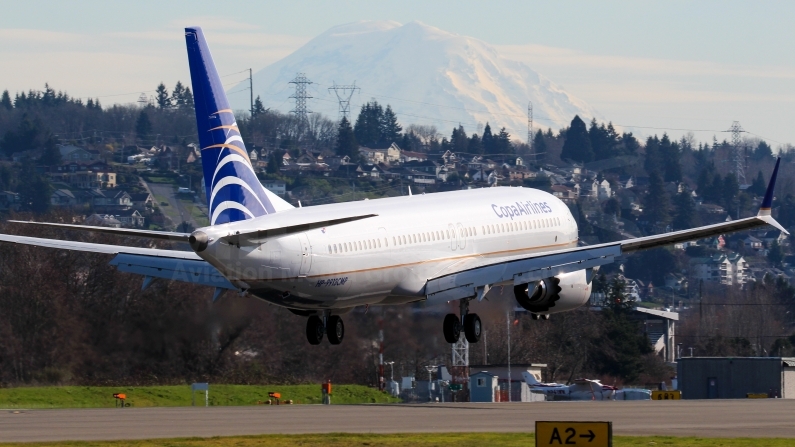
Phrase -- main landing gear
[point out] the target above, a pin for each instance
(331, 325)
(539, 316)
(470, 322)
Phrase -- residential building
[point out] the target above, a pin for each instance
(278, 187)
(102, 220)
(75, 153)
(728, 269)
(130, 218)
(85, 175)
(142, 201)
(9, 201)
(116, 199)
(753, 244)
(63, 198)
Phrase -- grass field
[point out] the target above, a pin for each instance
(425, 440)
(180, 395)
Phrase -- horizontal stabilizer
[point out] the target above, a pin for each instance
(165, 235)
(96, 248)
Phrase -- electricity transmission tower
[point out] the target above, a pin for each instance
(344, 94)
(737, 155)
(301, 96)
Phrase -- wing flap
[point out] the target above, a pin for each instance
(186, 270)
(517, 270)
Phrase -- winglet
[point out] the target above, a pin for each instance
(767, 202)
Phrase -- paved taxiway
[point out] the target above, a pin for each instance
(715, 418)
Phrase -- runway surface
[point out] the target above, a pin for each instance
(714, 418)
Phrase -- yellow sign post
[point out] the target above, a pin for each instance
(666, 395)
(590, 434)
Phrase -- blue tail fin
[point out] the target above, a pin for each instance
(233, 191)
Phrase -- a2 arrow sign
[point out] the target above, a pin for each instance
(563, 433)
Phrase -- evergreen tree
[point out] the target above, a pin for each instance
(51, 155)
(259, 109)
(763, 151)
(758, 187)
(5, 101)
(653, 161)
(603, 140)
(786, 211)
(685, 215)
(487, 140)
(501, 143)
(177, 95)
(368, 124)
(275, 162)
(775, 255)
(578, 144)
(539, 146)
(34, 189)
(187, 100)
(346, 141)
(162, 98)
(612, 207)
(390, 129)
(669, 156)
(143, 127)
(730, 190)
(459, 140)
(475, 145)
(655, 208)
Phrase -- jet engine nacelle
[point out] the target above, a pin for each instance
(554, 294)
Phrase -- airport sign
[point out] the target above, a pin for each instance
(559, 433)
(666, 395)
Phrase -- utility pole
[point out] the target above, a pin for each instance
(300, 97)
(251, 91)
(344, 94)
(530, 129)
(508, 320)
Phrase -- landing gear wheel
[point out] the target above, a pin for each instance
(535, 316)
(335, 330)
(545, 317)
(452, 328)
(314, 330)
(472, 328)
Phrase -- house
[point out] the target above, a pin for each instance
(75, 153)
(406, 156)
(278, 187)
(752, 243)
(96, 174)
(710, 208)
(603, 190)
(564, 193)
(130, 218)
(63, 197)
(110, 199)
(773, 236)
(102, 220)
(675, 282)
(142, 201)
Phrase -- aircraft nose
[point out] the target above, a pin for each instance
(198, 241)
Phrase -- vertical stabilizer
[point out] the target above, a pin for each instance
(233, 191)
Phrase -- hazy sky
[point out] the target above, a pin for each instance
(675, 65)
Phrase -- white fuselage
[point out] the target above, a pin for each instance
(386, 259)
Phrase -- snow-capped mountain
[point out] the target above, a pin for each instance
(427, 75)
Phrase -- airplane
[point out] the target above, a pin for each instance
(322, 261)
(581, 389)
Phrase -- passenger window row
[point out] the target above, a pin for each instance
(433, 236)
(522, 225)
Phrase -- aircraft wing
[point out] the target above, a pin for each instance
(152, 263)
(474, 277)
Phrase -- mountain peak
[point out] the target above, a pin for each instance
(428, 75)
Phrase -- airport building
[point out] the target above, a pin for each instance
(736, 377)
(489, 383)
